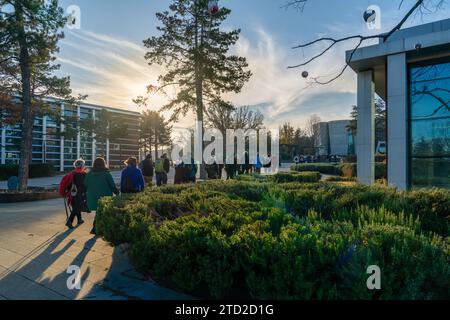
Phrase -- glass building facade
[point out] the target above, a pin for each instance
(49, 146)
(429, 124)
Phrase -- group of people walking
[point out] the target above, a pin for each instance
(232, 170)
(82, 188)
(160, 168)
(185, 172)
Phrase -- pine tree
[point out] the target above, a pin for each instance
(29, 35)
(155, 132)
(107, 126)
(195, 52)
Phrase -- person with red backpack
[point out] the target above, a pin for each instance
(73, 190)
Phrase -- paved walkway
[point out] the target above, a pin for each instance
(53, 182)
(36, 250)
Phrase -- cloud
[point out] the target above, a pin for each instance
(110, 70)
(281, 94)
(113, 71)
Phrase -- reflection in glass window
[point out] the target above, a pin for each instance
(430, 125)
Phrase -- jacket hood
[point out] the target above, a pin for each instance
(99, 171)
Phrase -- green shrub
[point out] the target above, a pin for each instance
(354, 159)
(340, 179)
(349, 170)
(324, 168)
(251, 177)
(265, 239)
(253, 191)
(284, 177)
(431, 206)
(37, 170)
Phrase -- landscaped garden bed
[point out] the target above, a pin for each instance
(347, 170)
(37, 170)
(280, 238)
(32, 194)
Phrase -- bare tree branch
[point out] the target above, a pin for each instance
(420, 6)
(405, 18)
(297, 4)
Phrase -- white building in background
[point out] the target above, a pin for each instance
(411, 73)
(50, 147)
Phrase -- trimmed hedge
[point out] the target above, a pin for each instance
(283, 177)
(340, 179)
(349, 170)
(292, 240)
(431, 206)
(354, 159)
(323, 168)
(37, 170)
(346, 169)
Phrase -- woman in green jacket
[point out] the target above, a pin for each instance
(99, 183)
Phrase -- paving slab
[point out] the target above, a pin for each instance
(16, 287)
(36, 249)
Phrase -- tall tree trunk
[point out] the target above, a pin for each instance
(156, 144)
(27, 113)
(199, 90)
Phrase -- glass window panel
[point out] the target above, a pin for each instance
(12, 148)
(430, 125)
(428, 172)
(431, 138)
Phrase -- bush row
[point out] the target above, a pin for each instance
(37, 170)
(282, 177)
(291, 240)
(431, 206)
(346, 169)
(349, 170)
(354, 159)
(324, 168)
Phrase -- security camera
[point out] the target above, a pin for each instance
(418, 46)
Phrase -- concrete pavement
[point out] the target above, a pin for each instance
(53, 182)
(36, 251)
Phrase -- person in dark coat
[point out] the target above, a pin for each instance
(247, 167)
(231, 169)
(147, 168)
(190, 172)
(179, 173)
(132, 180)
(212, 170)
(78, 193)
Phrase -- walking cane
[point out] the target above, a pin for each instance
(67, 210)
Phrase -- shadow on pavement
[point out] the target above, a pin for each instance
(42, 274)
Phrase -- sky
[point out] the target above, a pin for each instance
(105, 57)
